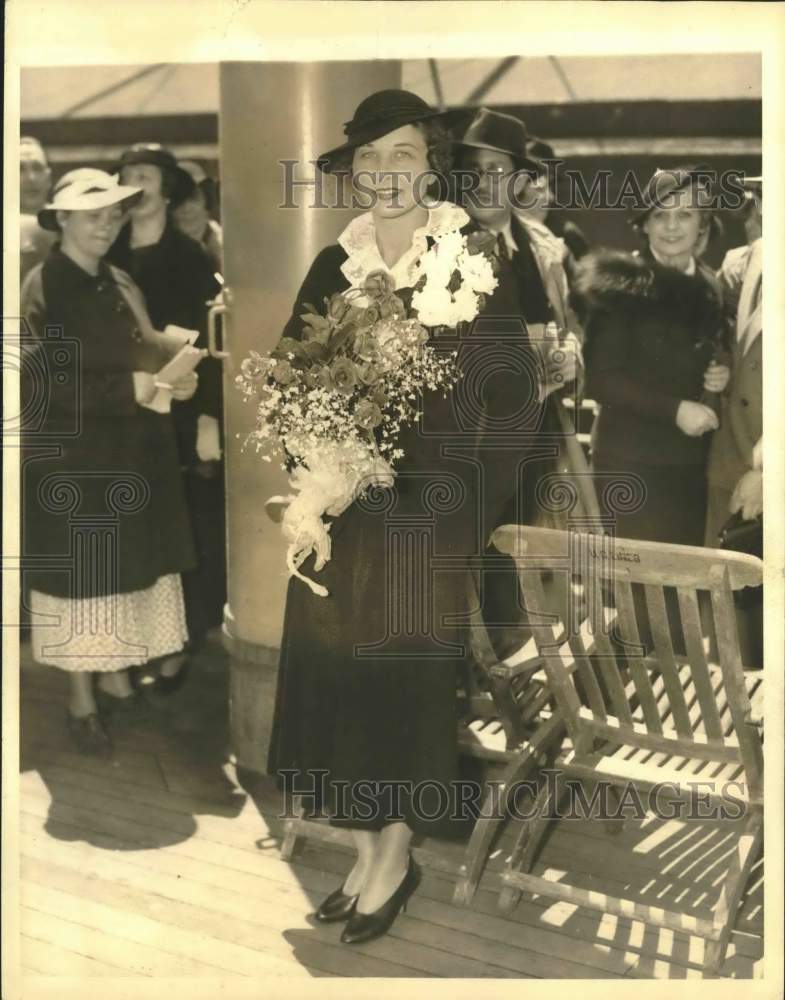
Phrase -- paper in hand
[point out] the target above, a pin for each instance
(174, 337)
(185, 361)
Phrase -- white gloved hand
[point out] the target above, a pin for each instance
(748, 495)
(695, 419)
(144, 387)
(208, 439)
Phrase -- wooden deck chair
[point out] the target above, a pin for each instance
(507, 715)
(636, 716)
(506, 718)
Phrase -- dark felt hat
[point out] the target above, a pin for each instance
(502, 134)
(663, 183)
(183, 184)
(383, 112)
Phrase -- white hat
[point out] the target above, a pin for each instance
(85, 189)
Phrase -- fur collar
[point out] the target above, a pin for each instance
(610, 280)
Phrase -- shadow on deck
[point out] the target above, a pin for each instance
(164, 862)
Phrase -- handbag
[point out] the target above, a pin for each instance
(739, 535)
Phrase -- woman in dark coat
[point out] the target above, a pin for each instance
(104, 513)
(653, 330)
(178, 279)
(368, 675)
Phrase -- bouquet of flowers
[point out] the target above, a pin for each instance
(331, 405)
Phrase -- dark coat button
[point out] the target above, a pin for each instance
(136, 334)
(745, 402)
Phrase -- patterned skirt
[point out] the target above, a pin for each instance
(110, 632)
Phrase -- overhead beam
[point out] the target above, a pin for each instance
(437, 84)
(491, 80)
(112, 89)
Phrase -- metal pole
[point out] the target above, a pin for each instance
(270, 112)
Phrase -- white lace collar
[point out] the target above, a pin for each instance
(359, 242)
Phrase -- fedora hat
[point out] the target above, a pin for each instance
(84, 190)
(156, 155)
(501, 134)
(383, 112)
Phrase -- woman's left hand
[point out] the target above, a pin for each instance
(716, 377)
(185, 386)
(748, 495)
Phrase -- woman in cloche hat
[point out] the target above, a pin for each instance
(654, 328)
(97, 610)
(177, 279)
(354, 701)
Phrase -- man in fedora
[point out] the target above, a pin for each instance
(495, 169)
(498, 177)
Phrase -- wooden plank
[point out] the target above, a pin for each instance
(545, 635)
(630, 633)
(744, 856)
(693, 635)
(248, 857)
(48, 959)
(640, 562)
(434, 925)
(317, 882)
(578, 645)
(239, 852)
(594, 584)
(232, 802)
(242, 944)
(658, 619)
(648, 777)
(733, 675)
(611, 904)
(248, 880)
(638, 735)
(145, 918)
(59, 919)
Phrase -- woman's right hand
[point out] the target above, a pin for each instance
(695, 419)
(144, 387)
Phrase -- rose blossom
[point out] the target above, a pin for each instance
(379, 284)
(367, 415)
(344, 376)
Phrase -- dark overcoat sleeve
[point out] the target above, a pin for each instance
(609, 380)
(324, 278)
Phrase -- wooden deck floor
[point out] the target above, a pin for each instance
(164, 862)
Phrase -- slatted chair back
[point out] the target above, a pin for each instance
(628, 662)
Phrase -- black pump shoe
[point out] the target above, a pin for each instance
(368, 926)
(338, 906)
(169, 683)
